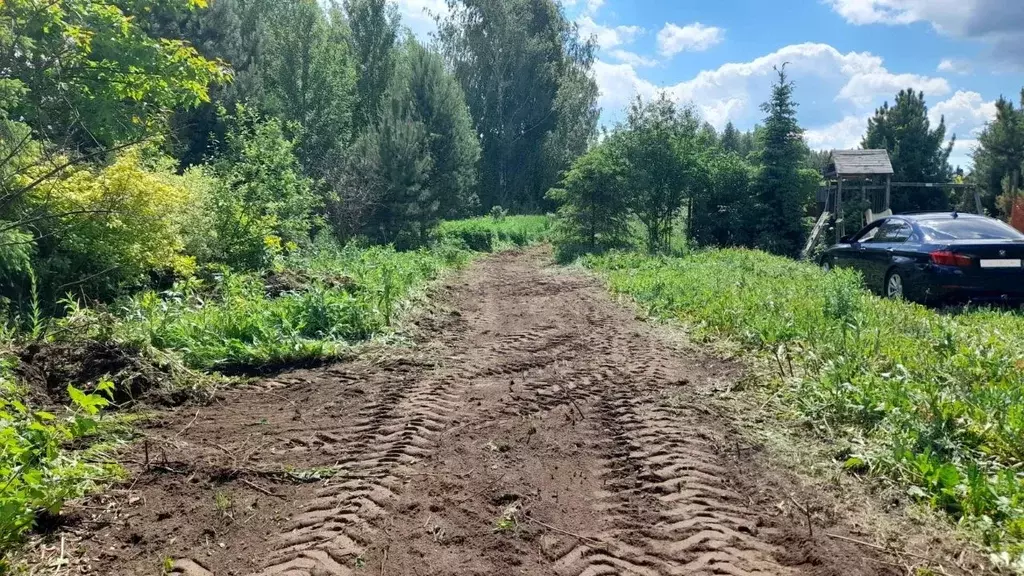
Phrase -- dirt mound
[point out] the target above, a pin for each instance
(49, 367)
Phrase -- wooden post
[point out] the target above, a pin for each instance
(863, 199)
(840, 225)
(977, 201)
(888, 192)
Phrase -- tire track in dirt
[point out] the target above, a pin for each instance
(585, 432)
(537, 429)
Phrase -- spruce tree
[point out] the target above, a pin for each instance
(999, 157)
(778, 191)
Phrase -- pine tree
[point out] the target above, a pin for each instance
(918, 152)
(999, 157)
(439, 103)
(594, 212)
(730, 140)
(777, 209)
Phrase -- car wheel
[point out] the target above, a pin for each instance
(895, 286)
(826, 264)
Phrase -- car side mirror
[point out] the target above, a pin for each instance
(846, 240)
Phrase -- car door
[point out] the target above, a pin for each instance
(854, 255)
(879, 252)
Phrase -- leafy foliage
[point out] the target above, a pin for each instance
(525, 72)
(263, 204)
(91, 75)
(932, 401)
(237, 322)
(36, 475)
(374, 25)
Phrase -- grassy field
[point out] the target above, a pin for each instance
(933, 402)
(309, 307)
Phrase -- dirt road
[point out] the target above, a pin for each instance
(538, 428)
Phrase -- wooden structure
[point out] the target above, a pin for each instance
(869, 173)
(846, 172)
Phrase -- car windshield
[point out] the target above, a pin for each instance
(969, 229)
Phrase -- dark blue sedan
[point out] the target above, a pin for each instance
(936, 257)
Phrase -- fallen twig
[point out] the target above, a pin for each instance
(189, 425)
(258, 488)
(882, 548)
(807, 513)
(567, 533)
(479, 492)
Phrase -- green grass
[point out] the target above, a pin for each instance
(932, 402)
(489, 234)
(234, 322)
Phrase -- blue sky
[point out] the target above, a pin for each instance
(846, 57)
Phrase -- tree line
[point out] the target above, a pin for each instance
(143, 140)
(663, 167)
(666, 171)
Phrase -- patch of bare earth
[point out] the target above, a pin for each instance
(538, 428)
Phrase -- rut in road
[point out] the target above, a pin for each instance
(540, 429)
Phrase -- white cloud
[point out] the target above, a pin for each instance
(696, 37)
(608, 36)
(633, 59)
(590, 6)
(619, 84)
(997, 22)
(418, 15)
(962, 152)
(849, 84)
(955, 66)
(845, 134)
(862, 89)
(965, 112)
(718, 112)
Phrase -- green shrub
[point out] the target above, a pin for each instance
(261, 203)
(36, 474)
(490, 233)
(933, 401)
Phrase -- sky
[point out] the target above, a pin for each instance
(846, 58)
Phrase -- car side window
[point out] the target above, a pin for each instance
(867, 235)
(886, 232)
(905, 233)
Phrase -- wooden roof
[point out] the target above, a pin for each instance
(859, 163)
